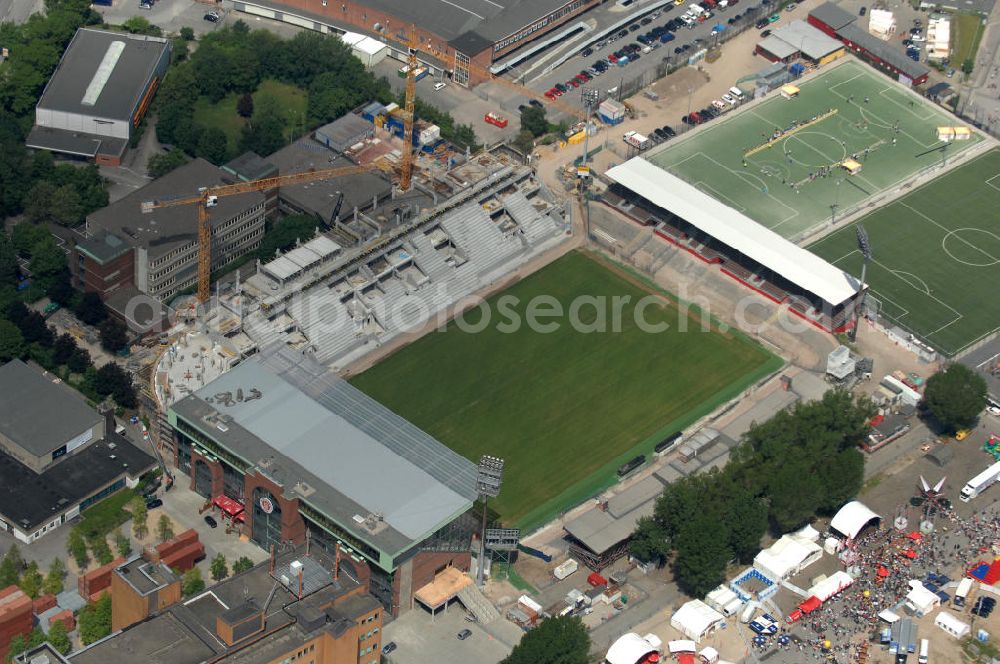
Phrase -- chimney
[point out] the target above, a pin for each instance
(270, 565)
(336, 562)
(300, 583)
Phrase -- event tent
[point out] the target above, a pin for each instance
(695, 619)
(631, 648)
(920, 600)
(851, 518)
(830, 586)
(951, 624)
(788, 556)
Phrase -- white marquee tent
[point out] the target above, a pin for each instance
(788, 556)
(630, 648)
(696, 619)
(851, 518)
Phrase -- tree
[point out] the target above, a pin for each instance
(76, 546)
(967, 65)
(59, 638)
(524, 142)
(80, 361)
(242, 564)
(8, 260)
(192, 583)
(36, 638)
(9, 572)
(137, 507)
(464, 136)
(65, 207)
(18, 644)
(139, 25)
(11, 341)
(63, 348)
(164, 528)
(123, 544)
(533, 120)
(53, 583)
(161, 164)
(244, 107)
(48, 261)
(114, 336)
(95, 620)
(285, 233)
(265, 133)
(219, 568)
(649, 542)
(91, 310)
(562, 640)
(102, 552)
(187, 33)
(180, 50)
(702, 555)
(112, 380)
(31, 580)
(38, 202)
(747, 523)
(955, 396)
(213, 145)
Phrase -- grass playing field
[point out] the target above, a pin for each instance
(713, 159)
(935, 255)
(565, 408)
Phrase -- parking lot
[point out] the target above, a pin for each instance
(423, 639)
(169, 15)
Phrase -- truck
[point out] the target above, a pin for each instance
(666, 37)
(980, 483)
(635, 139)
(567, 568)
(420, 73)
(496, 119)
(963, 590)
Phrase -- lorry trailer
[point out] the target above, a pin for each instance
(980, 483)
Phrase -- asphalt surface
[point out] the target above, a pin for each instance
(18, 11)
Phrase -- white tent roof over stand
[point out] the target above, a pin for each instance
(788, 556)
(630, 648)
(695, 619)
(851, 518)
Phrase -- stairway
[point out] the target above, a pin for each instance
(477, 604)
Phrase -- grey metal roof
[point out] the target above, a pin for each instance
(125, 84)
(886, 51)
(29, 403)
(165, 229)
(345, 131)
(779, 48)
(833, 15)
(340, 451)
(250, 166)
(599, 531)
(65, 142)
(103, 246)
(809, 40)
(320, 198)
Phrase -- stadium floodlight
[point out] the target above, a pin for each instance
(490, 476)
(488, 482)
(863, 244)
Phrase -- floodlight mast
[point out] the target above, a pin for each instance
(488, 482)
(866, 251)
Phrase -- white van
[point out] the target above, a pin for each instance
(696, 10)
(925, 646)
(736, 92)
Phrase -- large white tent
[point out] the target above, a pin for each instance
(695, 619)
(631, 648)
(882, 24)
(851, 518)
(920, 600)
(830, 586)
(788, 556)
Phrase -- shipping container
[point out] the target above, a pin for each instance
(565, 569)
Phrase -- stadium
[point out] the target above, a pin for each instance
(566, 408)
(742, 191)
(458, 33)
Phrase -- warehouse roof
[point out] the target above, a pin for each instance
(732, 228)
(888, 52)
(345, 130)
(29, 499)
(165, 229)
(103, 74)
(30, 400)
(777, 47)
(833, 15)
(809, 40)
(324, 440)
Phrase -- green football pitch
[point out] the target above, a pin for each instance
(935, 256)
(565, 408)
(892, 132)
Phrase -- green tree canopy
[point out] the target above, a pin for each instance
(53, 583)
(555, 641)
(11, 341)
(161, 164)
(533, 120)
(955, 396)
(220, 569)
(164, 528)
(192, 583)
(59, 637)
(31, 580)
(95, 620)
(213, 145)
(649, 542)
(242, 564)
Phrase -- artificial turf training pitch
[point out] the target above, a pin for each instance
(760, 185)
(565, 408)
(935, 256)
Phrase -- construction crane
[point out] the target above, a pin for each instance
(411, 94)
(208, 197)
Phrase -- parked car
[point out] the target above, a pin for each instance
(762, 23)
(765, 33)
(586, 53)
(440, 85)
(210, 520)
(791, 7)
(145, 4)
(464, 634)
(389, 647)
(213, 17)
(774, 18)
(535, 103)
(153, 503)
(862, 11)
(669, 131)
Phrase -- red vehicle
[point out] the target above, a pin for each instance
(550, 95)
(613, 59)
(496, 120)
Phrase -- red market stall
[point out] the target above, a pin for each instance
(810, 605)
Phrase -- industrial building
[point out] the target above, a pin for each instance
(298, 606)
(797, 40)
(53, 468)
(156, 252)
(837, 22)
(451, 35)
(289, 451)
(98, 95)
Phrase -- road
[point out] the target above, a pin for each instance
(18, 11)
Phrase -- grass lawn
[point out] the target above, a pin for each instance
(761, 187)
(968, 30)
(565, 408)
(224, 116)
(103, 517)
(935, 256)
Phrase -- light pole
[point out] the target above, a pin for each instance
(866, 251)
(836, 203)
(488, 482)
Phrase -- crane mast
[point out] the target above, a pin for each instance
(411, 93)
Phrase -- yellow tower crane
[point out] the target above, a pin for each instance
(411, 94)
(207, 198)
